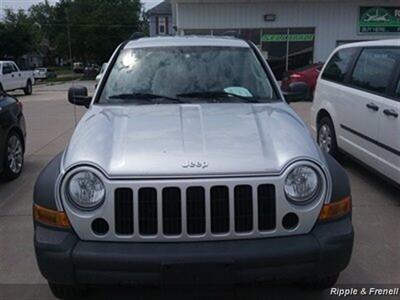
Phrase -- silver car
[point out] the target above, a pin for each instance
(190, 167)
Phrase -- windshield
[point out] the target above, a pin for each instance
(187, 74)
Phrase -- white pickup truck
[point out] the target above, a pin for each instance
(12, 78)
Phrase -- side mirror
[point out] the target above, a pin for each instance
(78, 95)
(298, 91)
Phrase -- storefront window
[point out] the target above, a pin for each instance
(274, 48)
(288, 48)
(301, 47)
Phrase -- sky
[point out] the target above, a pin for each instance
(25, 4)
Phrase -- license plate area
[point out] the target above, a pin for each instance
(219, 273)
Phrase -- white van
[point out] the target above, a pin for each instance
(357, 105)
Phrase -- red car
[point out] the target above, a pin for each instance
(308, 75)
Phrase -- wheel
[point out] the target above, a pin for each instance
(320, 283)
(14, 156)
(28, 88)
(326, 136)
(63, 291)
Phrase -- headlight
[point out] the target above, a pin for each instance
(86, 190)
(302, 184)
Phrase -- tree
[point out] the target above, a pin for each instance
(95, 27)
(18, 34)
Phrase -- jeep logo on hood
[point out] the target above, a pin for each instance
(195, 164)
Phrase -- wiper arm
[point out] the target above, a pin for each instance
(144, 96)
(216, 94)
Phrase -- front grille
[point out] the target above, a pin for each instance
(219, 209)
(148, 221)
(123, 211)
(173, 211)
(196, 210)
(243, 208)
(266, 207)
(172, 219)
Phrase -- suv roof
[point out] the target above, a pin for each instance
(392, 42)
(187, 41)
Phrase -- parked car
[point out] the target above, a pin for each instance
(12, 78)
(44, 73)
(91, 71)
(78, 67)
(357, 105)
(308, 75)
(12, 137)
(199, 172)
(40, 73)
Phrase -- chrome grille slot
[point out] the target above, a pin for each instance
(148, 211)
(195, 210)
(219, 209)
(266, 207)
(123, 211)
(243, 208)
(172, 212)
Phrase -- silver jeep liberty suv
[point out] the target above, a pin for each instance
(190, 167)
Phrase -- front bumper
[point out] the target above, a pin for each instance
(64, 259)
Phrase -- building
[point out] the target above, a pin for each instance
(291, 33)
(160, 19)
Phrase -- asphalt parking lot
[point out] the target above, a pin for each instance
(50, 122)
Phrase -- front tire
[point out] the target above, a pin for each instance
(64, 291)
(326, 137)
(28, 88)
(13, 161)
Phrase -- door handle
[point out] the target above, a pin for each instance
(19, 75)
(12, 75)
(373, 106)
(391, 113)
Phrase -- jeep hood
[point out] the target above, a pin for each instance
(189, 140)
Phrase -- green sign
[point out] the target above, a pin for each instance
(284, 37)
(379, 20)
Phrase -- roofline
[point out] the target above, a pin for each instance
(150, 11)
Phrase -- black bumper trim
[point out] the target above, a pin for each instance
(63, 258)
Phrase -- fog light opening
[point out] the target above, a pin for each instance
(100, 226)
(290, 221)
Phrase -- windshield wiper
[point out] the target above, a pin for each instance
(216, 95)
(144, 96)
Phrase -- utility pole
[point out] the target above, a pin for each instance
(69, 39)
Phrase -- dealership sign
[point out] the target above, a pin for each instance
(379, 20)
(308, 37)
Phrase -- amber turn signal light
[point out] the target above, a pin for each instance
(336, 209)
(50, 217)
